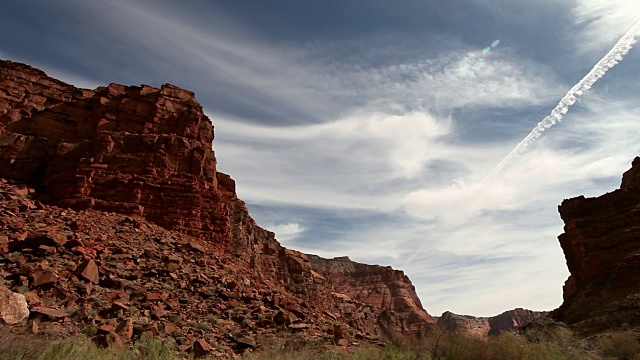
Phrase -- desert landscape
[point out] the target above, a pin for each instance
(117, 226)
(329, 180)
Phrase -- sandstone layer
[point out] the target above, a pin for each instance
(145, 153)
(601, 243)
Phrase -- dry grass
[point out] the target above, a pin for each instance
(365, 353)
(29, 347)
(552, 342)
(21, 346)
(619, 345)
(558, 337)
(450, 347)
(548, 342)
(75, 349)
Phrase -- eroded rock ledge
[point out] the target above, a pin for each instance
(383, 287)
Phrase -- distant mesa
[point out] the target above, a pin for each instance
(483, 327)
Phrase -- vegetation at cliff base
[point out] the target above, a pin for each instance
(557, 343)
(539, 344)
(28, 347)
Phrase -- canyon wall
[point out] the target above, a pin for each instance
(601, 243)
(383, 287)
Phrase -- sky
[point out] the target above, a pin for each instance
(368, 128)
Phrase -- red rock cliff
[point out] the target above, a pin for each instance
(601, 244)
(147, 152)
(134, 150)
(384, 288)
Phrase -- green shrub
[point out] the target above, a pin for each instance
(90, 330)
(212, 319)
(154, 349)
(174, 318)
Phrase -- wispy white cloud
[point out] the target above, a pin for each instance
(302, 84)
(603, 22)
(449, 81)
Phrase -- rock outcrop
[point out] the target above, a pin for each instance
(513, 320)
(601, 243)
(382, 287)
(145, 153)
(508, 321)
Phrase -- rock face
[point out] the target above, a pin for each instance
(383, 288)
(601, 244)
(146, 153)
(508, 321)
(133, 150)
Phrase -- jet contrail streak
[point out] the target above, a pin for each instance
(613, 57)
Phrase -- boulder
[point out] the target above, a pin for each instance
(88, 270)
(13, 306)
(201, 348)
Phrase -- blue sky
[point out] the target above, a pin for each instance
(366, 128)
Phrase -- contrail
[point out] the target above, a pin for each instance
(613, 57)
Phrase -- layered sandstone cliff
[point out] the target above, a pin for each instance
(382, 287)
(508, 321)
(133, 150)
(146, 152)
(601, 244)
